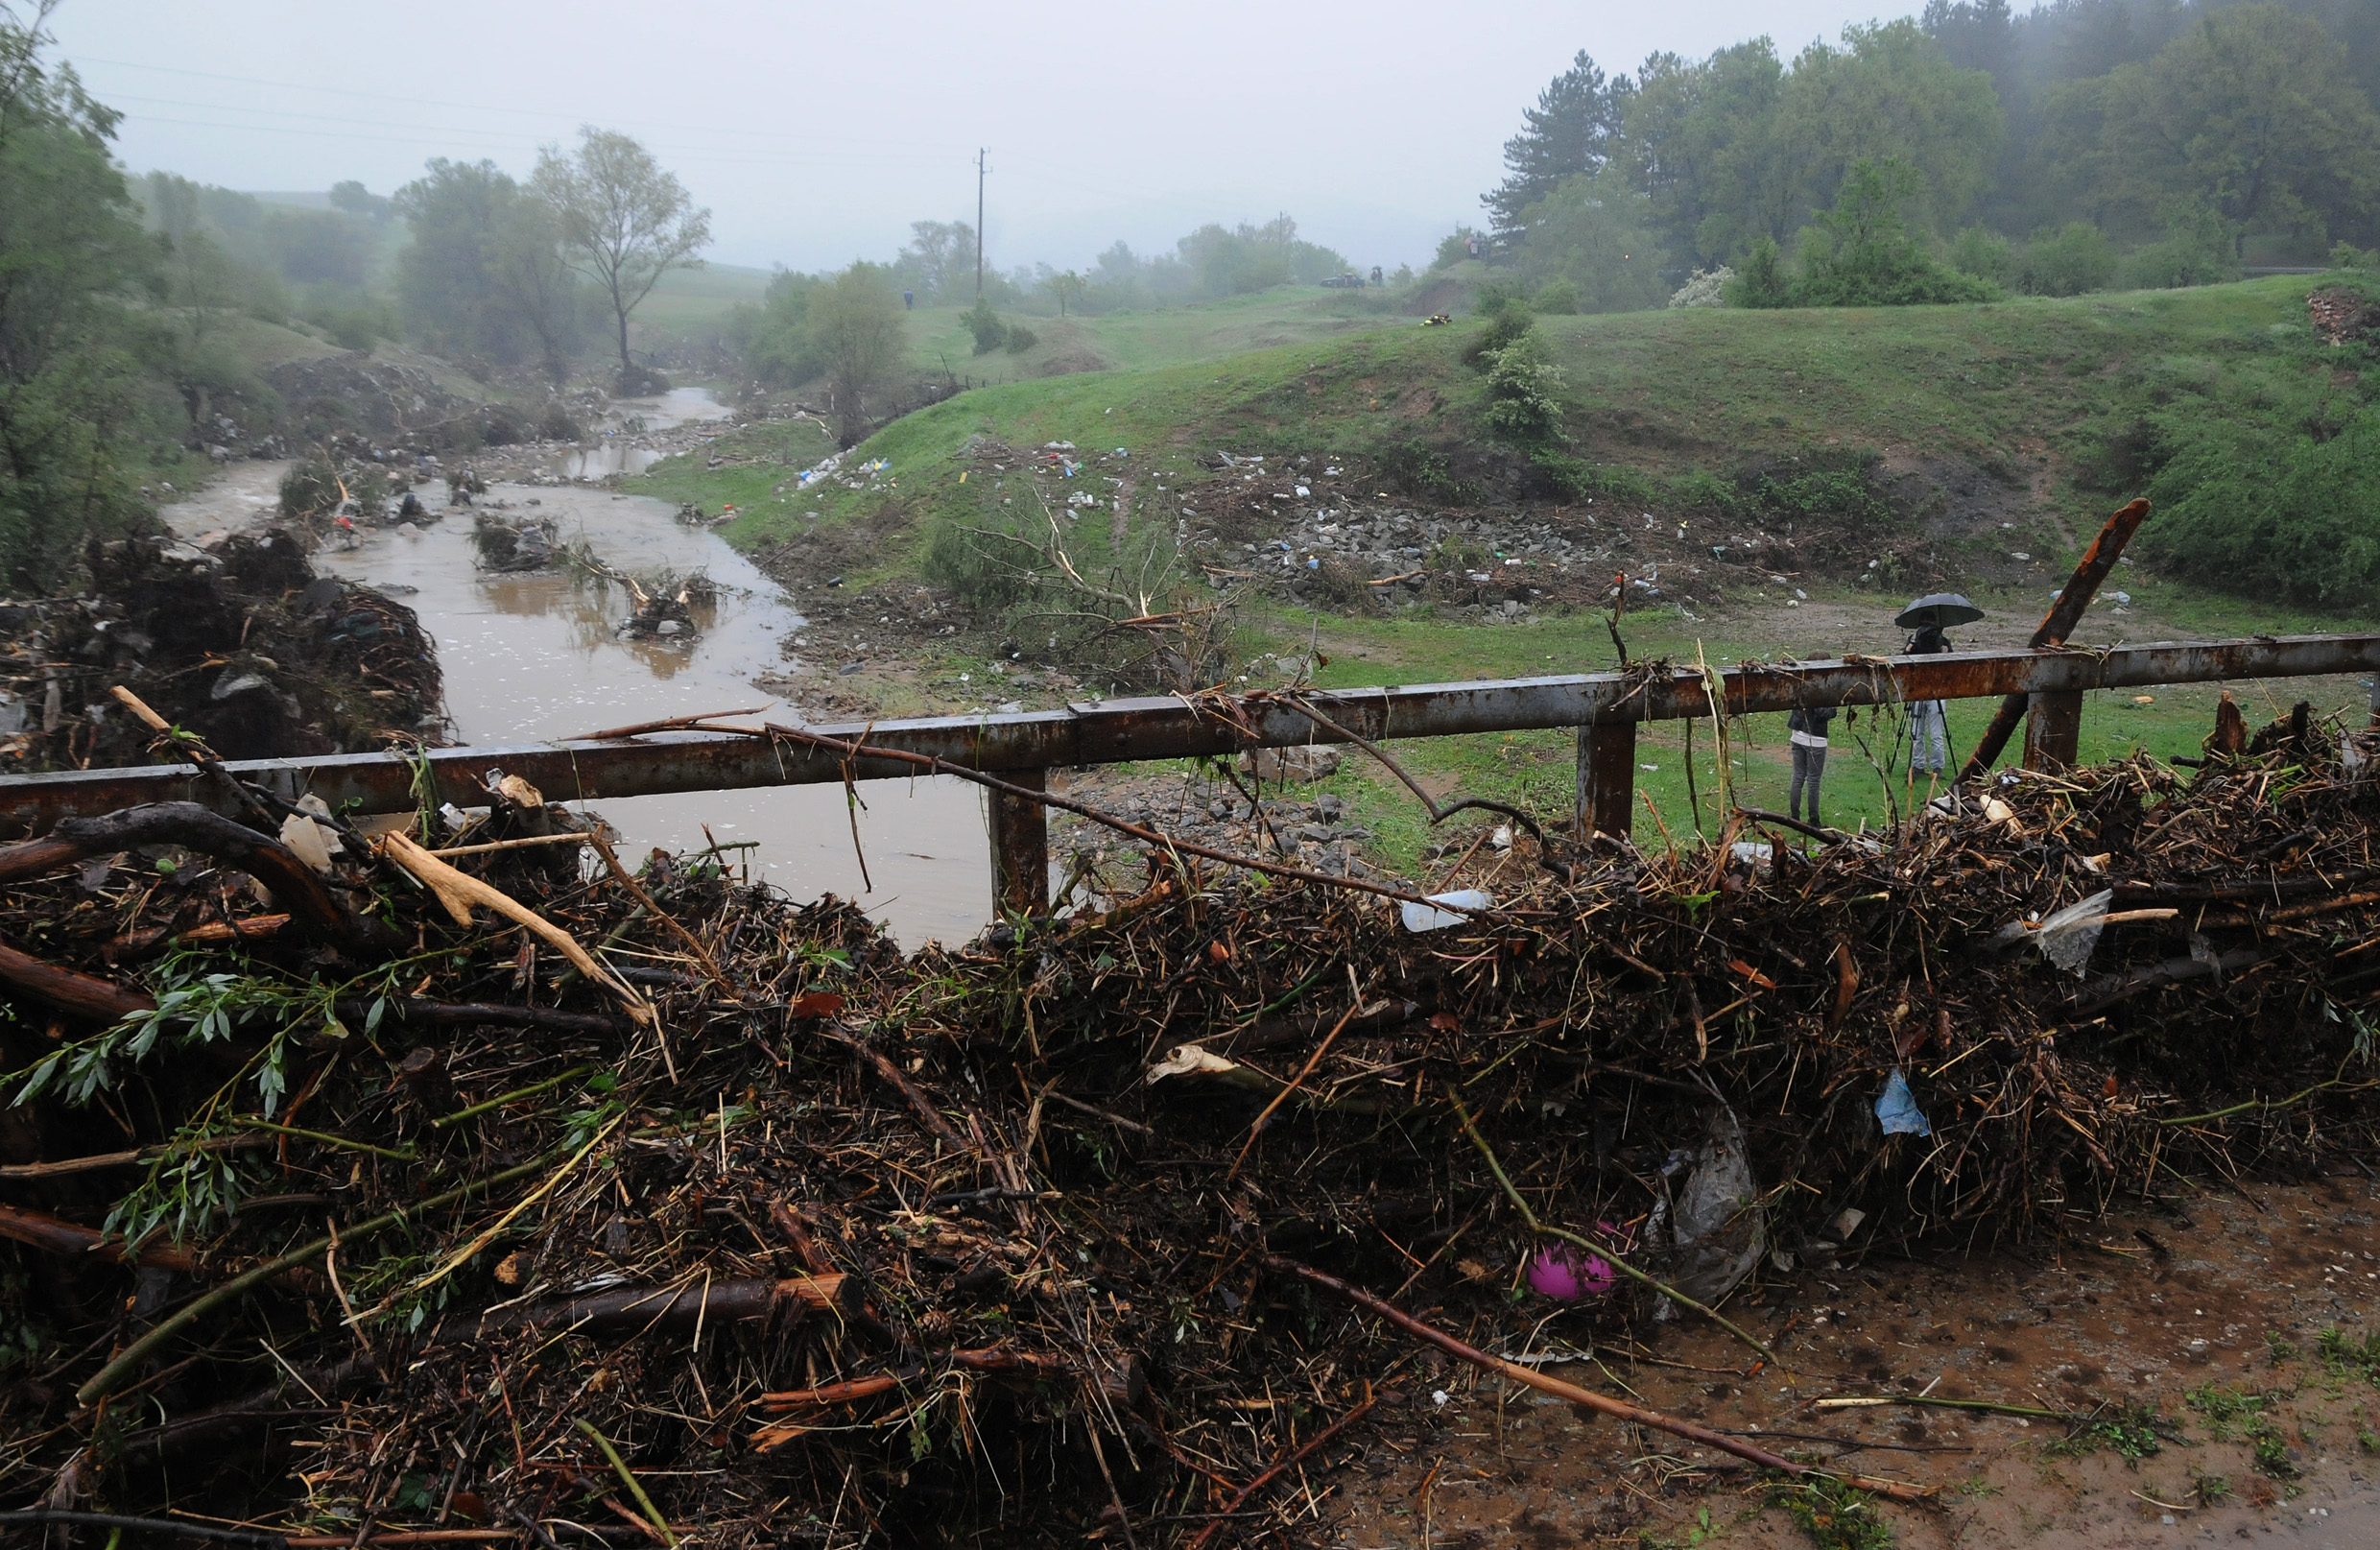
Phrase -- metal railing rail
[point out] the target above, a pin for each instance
(1606, 707)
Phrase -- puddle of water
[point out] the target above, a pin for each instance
(529, 657)
(678, 406)
(610, 456)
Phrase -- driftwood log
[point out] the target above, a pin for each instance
(636, 1309)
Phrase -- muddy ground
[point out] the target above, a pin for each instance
(2172, 1309)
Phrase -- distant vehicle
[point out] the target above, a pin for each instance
(1345, 281)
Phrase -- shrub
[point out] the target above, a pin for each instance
(1557, 298)
(990, 333)
(1706, 288)
(1985, 254)
(2074, 259)
(1412, 468)
(1507, 316)
(1524, 406)
(2197, 250)
(1762, 282)
(309, 489)
(1022, 339)
(1861, 254)
(2348, 255)
(2295, 517)
(965, 564)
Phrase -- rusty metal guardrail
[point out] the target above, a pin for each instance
(1606, 707)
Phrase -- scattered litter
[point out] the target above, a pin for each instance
(1897, 1109)
(1421, 918)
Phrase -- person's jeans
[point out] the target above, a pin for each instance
(1929, 738)
(1809, 766)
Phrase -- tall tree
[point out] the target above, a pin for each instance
(484, 273)
(1889, 91)
(72, 255)
(2251, 112)
(1594, 231)
(943, 252)
(1699, 140)
(1570, 131)
(623, 221)
(860, 339)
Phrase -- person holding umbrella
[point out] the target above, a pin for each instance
(1929, 723)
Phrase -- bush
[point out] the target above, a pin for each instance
(1507, 316)
(1557, 298)
(1861, 255)
(1707, 287)
(1762, 282)
(1022, 339)
(1524, 406)
(556, 425)
(1985, 254)
(310, 488)
(1414, 468)
(2074, 259)
(2278, 517)
(964, 563)
(990, 333)
(2197, 250)
(2348, 255)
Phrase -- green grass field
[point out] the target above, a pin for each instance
(690, 300)
(2025, 393)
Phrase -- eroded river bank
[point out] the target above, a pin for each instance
(532, 657)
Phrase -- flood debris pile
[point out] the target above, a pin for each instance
(654, 1205)
(516, 543)
(240, 642)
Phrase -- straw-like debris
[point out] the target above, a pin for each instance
(780, 1235)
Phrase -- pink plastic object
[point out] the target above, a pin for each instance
(1567, 1275)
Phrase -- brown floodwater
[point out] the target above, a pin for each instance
(529, 657)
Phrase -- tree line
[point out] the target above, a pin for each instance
(1953, 155)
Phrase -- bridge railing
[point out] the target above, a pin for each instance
(1607, 709)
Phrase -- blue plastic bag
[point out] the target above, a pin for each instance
(1896, 1110)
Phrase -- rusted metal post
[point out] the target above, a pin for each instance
(1607, 779)
(2053, 729)
(1020, 847)
(2065, 612)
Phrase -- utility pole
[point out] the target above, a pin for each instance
(979, 223)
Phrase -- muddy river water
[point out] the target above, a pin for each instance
(535, 656)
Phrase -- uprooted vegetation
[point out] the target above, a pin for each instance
(752, 1225)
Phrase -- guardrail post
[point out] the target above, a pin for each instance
(2053, 729)
(1607, 779)
(1020, 847)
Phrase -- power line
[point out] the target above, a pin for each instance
(474, 108)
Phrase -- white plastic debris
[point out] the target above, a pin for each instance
(1752, 851)
(1713, 1231)
(1419, 918)
(1502, 839)
(2066, 938)
(308, 841)
(1189, 1059)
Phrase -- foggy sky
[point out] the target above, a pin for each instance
(816, 132)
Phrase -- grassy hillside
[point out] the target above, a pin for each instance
(1981, 445)
(1147, 340)
(688, 300)
(2031, 397)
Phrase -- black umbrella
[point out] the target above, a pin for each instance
(1938, 611)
